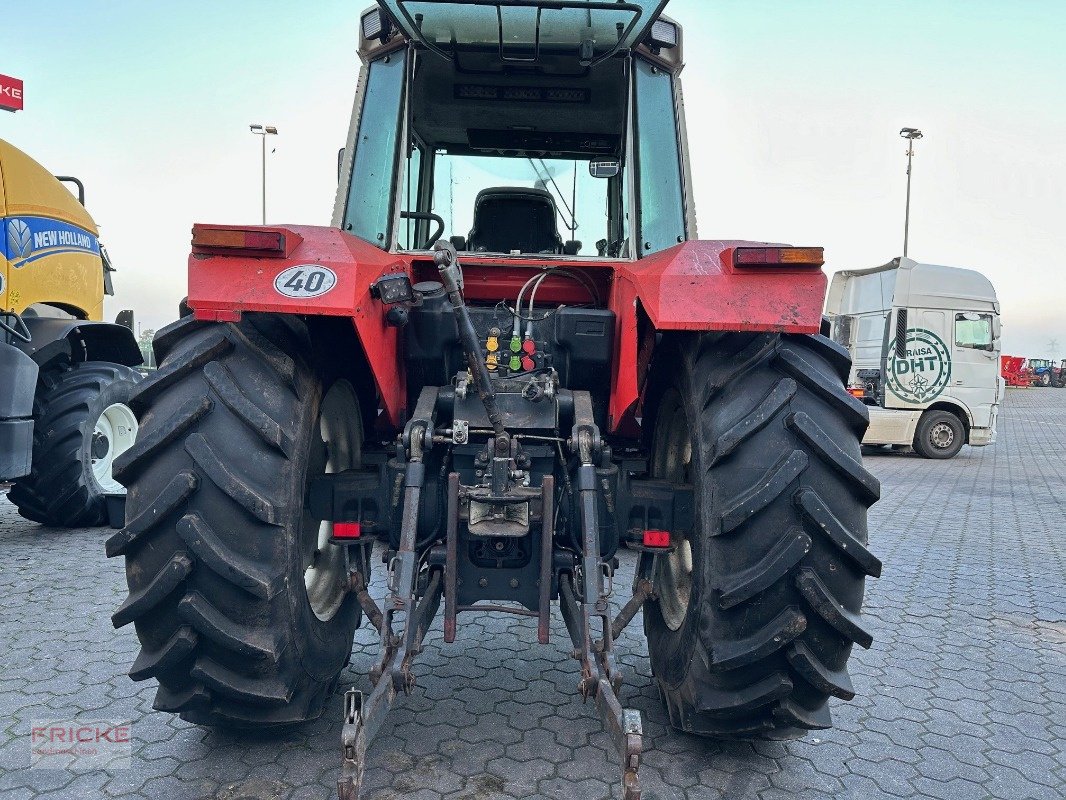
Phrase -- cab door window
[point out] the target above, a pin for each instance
(370, 192)
(659, 182)
(973, 331)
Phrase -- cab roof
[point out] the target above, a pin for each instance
(906, 282)
(523, 30)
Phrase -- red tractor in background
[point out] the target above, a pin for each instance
(499, 409)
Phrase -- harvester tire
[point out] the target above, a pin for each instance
(238, 599)
(81, 421)
(756, 612)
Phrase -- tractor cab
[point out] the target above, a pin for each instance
(517, 129)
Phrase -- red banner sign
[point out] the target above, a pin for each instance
(11, 98)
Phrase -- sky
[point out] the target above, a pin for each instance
(793, 108)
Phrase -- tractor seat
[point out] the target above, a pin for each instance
(512, 218)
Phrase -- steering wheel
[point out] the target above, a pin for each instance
(427, 215)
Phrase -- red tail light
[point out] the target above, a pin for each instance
(804, 257)
(220, 240)
(656, 538)
(347, 530)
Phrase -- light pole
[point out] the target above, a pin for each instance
(263, 131)
(910, 134)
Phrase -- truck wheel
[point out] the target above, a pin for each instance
(939, 435)
(238, 598)
(82, 422)
(756, 610)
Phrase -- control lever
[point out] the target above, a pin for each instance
(444, 256)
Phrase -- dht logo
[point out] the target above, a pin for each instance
(19, 238)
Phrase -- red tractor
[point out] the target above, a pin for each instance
(500, 409)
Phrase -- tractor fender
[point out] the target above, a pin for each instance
(77, 340)
(694, 286)
(222, 287)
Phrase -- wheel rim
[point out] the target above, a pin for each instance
(340, 434)
(113, 434)
(942, 436)
(672, 461)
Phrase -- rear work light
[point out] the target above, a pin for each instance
(857, 391)
(806, 257)
(254, 242)
(663, 34)
(376, 25)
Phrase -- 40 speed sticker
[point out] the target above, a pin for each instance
(305, 280)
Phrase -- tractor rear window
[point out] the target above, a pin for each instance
(469, 193)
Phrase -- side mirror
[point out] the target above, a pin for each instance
(125, 319)
(605, 168)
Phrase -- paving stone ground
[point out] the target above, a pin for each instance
(963, 694)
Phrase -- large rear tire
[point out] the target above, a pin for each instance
(82, 422)
(237, 596)
(757, 610)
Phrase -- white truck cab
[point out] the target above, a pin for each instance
(924, 341)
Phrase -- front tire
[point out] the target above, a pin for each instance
(236, 594)
(939, 435)
(82, 423)
(757, 610)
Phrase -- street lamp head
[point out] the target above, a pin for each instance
(910, 133)
(272, 130)
(255, 128)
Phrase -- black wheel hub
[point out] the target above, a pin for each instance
(99, 447)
